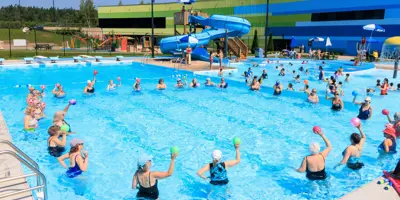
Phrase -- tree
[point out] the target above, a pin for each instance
(270, 43)
(254, 46)
(141, 2)
(120, 3)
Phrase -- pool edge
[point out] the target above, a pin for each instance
(372, 190)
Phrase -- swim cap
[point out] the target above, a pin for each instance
(75, 142)
(314, 148)
(367, 98)
(390, 131)
(89, 81)
(277, 83)
(143, 159)
(216, 154)
(397, 115)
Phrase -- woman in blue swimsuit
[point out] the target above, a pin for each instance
(77, 163)
(352, 154)
(146, 181)
(365, 111)
(321, 74)
(218, 169)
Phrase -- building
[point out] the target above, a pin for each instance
(341, 20)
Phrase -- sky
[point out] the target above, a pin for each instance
(70, 3)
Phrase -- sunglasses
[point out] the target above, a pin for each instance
(81, 144)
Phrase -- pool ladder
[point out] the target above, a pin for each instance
(40, 187)
(145, 58)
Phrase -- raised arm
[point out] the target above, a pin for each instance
(328, 148)
(363, 136)
(62, 158)
(389, 119)
(63, 141)
(54, 91)
(162, 175)
(232, 163)
(66, 108)
(356, 102)
(341, 103)
(326, 96)
(346, 156)
(94, 80)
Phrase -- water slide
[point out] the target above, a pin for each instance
(217, 24)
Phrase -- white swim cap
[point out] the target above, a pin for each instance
(216, 155)
(89, 81)
(314, 148)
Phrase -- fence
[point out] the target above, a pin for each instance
(15, 43)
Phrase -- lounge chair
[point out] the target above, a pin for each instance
(98, 58)
(86, 58)
(1, 61)
(28, 60)
(77, 59)
(119, 58)
(53, 59)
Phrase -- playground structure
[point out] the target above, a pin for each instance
(224, 30)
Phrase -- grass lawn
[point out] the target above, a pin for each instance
(41, 36)
(18, 54)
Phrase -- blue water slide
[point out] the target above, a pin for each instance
(218, 26)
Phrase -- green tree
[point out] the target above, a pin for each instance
(141, 2)
(270, 43)
(254, 45)
(120, 3)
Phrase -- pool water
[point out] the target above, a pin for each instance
(118, 126)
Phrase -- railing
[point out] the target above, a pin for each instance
(145, 58)
(244, 48)
(182, 61)
(41, 179)
(234, 46)
(176, 63)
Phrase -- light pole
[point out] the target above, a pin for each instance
(152, 28)
(55, 20)
(266, 30)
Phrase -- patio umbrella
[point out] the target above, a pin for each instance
(328, 43)
(293, 42)
(316, 39)
(372, 28)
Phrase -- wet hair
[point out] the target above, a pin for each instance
(298, 76)
(74, 149)
(347, 74)
(306, 86)
(391, 84)
(386, 80)
(161, 80)
(378, 80)
(398, 85)
(320, 67)
(276, 67)
(294, 71)
(355, 138)
(290, 85)
(340, 83)
(53, 130)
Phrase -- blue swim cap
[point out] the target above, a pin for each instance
(277, 83)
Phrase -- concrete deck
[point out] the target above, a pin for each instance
(11, 167)
(372, 191)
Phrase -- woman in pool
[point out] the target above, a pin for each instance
(290, 87)
(39, 109)
(89, 89)
(220, 72)
(146, 181)
(297, 79)
(263, 76)
(347, 78)
(277, 88)
(385, 87)
(391, 87)
(395, 122)
(194, 83)
(223, 84)
(58, 91)
(321, 74)
(378, 83)
(389, 143)
(30, 122)
(307, 72)
(59, 118)
(136, 86)
(111, 85)
(337, 103)
(255, 85)
(56, 146)
(161, 85)
(313, 97)
(34, 95)
(209, 83)
(282, 72)
(179, 83)
(218, 169)
(306, 89)
(352, 154)
(314, 164)
(78, 163)
(365, 111)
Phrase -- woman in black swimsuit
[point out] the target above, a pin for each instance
(146, 181)
(89, 89)
(314, 164)
(55, 145)
(337, 103)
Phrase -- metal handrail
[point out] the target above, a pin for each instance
(180, 63)
(26, 157)
(143, 58)
(31, 167)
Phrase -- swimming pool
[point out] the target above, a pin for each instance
(117, 126)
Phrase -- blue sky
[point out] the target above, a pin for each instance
(70, 3)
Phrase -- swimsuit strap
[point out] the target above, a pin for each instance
(149, 180)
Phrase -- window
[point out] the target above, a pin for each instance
(159, 22)
(348, 15)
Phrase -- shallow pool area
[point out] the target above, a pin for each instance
(119, 125)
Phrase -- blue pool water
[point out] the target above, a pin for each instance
(117, 126)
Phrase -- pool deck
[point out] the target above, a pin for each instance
(11, 167)
(371, 191)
